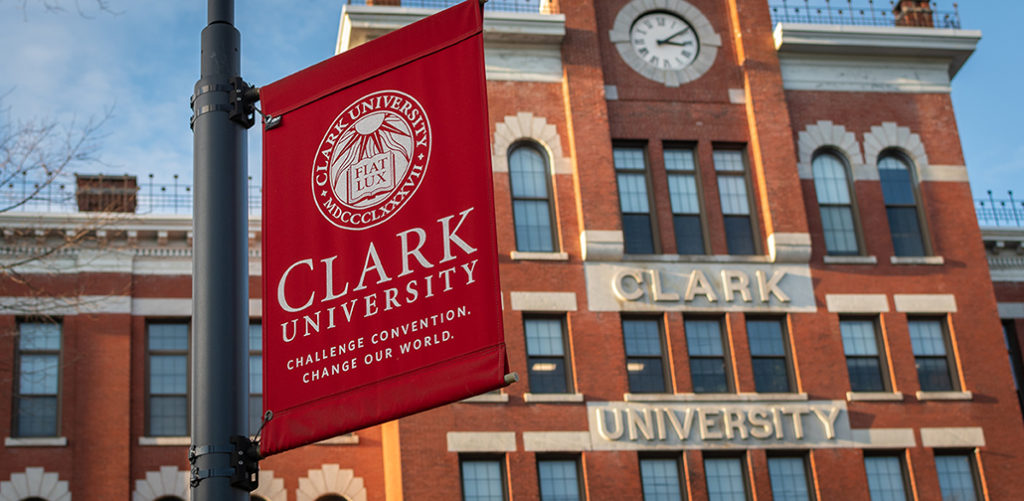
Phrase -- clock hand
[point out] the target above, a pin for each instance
(670, 37)
(681, 44)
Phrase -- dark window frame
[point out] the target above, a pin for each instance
(16, 394)
(901, 455)
(880, 347)
(550, 198)
(972, 461)
(918, 209)
(741, 456)
(651, 213)
(252, 395)
(676, 456)
(702, 218)
(727, 362)
(752, 213)
(787, 344)
(852, 206)
(949, 357)
(188, 373)
(501, 459)
(566, 358)
(808, 469)
(662, 343)
(575, 458)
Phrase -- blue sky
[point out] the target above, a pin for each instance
(143, 63)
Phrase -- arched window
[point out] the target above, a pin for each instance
(832, 185)
(531, 199)
(900, 197)
(331, 497)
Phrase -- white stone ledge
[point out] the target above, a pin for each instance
(944, 395)
(884, 438)
(924, 303)
(487, 398)
(566, 398)
(856, 303)
(714, 397)
(539, 256)
(481, 441)
(35, 441)
(558, 302)
(851, 260)
(695, 258)
(968, 436)
(556, 441)
(917, 260)
(165, 441)
(346, 439)
(1011, 310)
(874, 396)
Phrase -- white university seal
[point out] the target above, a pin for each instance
(371, 160)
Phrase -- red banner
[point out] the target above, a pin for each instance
(380, 271)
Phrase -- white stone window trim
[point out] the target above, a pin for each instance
(165, 441)
(538, 256)
(858, 260)
(917, 260)
(889, 136)
(270, 487)
(346, 439)
(35, 441)
(553, 398)
(925, 396)
(34, 482)
(487, 398)
(715, 397)
(525, 126)
(331, 479)
(168, 481)
(874, 396)
(827, 136)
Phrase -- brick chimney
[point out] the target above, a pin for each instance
(100, 193)
(913, 13)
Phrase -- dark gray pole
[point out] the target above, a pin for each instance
(220, 271)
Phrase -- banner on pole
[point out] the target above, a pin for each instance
(380, 273)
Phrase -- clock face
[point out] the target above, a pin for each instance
(664, 41)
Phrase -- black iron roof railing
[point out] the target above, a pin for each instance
(535, 6)
(860, 12)
(1000, 212)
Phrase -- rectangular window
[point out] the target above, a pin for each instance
(789, 478)
(559, 479)
(548, 365)
(725, 479)
(769, 356)
(634, 201)
(255, 377)
(934, 365)
(730, 168)
(863, 358)
(957, 477)
(659, 477)
(645, 363)
(167, 375)
(707, 356)
(887, 480)
(483, 479)
(37, 385)
(685, 200)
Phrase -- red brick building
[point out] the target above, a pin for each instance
(738, 258)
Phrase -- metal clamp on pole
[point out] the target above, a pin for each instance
(246, 458)
(197, 451)
(243, 102)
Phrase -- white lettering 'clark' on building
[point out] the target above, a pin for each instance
(698, 287)
(371, 160)
(633, 426)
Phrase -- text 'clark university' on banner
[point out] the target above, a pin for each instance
(380, 272)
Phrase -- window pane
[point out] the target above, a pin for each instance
(704, 337)
(858, 337)
(933, 374)
(38, 336)
(167, 416)
(905, 230)
(770, 375)
(527, 173)
(481, 481)
(533, 225)
(679, 160)
(885, 478)
(547, 375)
(830, 182)
(739, 236)
(660, 479)
(642, 337)
(725, 479)
(543, 336)
(956, 477)
(840, 236)
(255, 337)
(865, 374)
(255, 413)
(789, 479)
(255, 373)
(733, 192)
(38, 374)
(927, 338)
(682, 191)
(646, 375)
(167, 374)
(689, 237)
(36, 416)
(729, 161)
(633, 193)
(708, 375)
(897, 183)
(168, 337)
(766, 338)
(629, 158)
(636, 229)
(558, 480)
